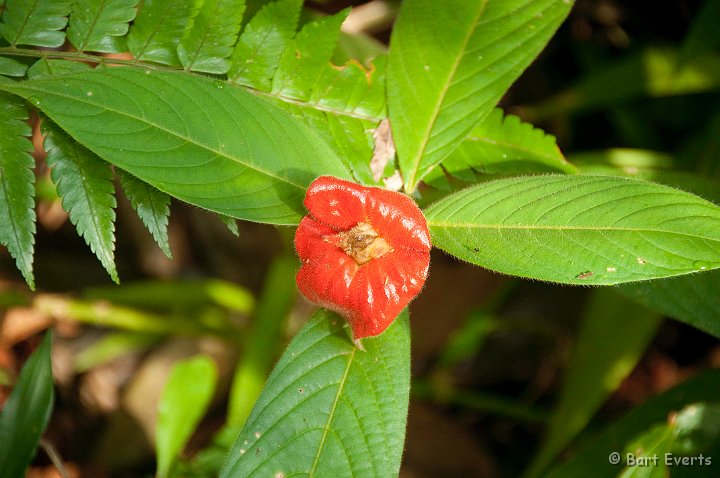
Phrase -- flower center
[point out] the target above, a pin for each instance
(363, 243)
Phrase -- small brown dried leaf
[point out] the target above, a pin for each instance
(384, 149)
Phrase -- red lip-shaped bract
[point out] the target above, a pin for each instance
(365, 252)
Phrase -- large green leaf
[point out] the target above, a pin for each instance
(157, 30)
(85, 185)
(613, 336)
(26, 413)
(579, 229)
(17, 207)
(183, 402)
(692, 298)
(35, 22)
(208, 41)
(329, 408)
(196, 139)
(100, 25)
(451, 62)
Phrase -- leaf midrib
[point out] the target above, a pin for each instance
(150, 124)
(441, 98)
(331, 415)
(461, 225)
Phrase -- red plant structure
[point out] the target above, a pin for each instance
(365, 252)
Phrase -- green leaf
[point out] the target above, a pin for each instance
(703, 36)
(646, 165)
(503, 139)
(17, 206)
(608, 347)
(273, 308)
(152, 207)
(329, 408)
(103, 314)
(27, 411)
(230, 223)
(304, 60)
(186, 296)
(692, 299)
(467, 340)
(183, 402)
(209, 38)
(111, 346)
(451, 62)
(48, 67)
(35, 22)
(592, 458)
(198, 140)
(696, 428)
(85, 185)
(11, 67)
(579, 229)
(258, 51)
(157, 29)
(100, 25)
(501, 145)
(644, 456)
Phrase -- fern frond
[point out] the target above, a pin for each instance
(208, 40)
(17, 205)
(152, 207)
(84, 183)
(267, 34)
(35, 22)
(157, 29)
(100, 25)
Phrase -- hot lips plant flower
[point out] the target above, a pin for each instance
(365, 252)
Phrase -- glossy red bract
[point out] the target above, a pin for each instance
(365, 252)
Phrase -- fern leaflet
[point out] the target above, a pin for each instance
(157, 29)
(152, 207)
(17, 212)
(84, 183)
(208, 41)
(100, 25)
(35, 22)
(262, 42)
